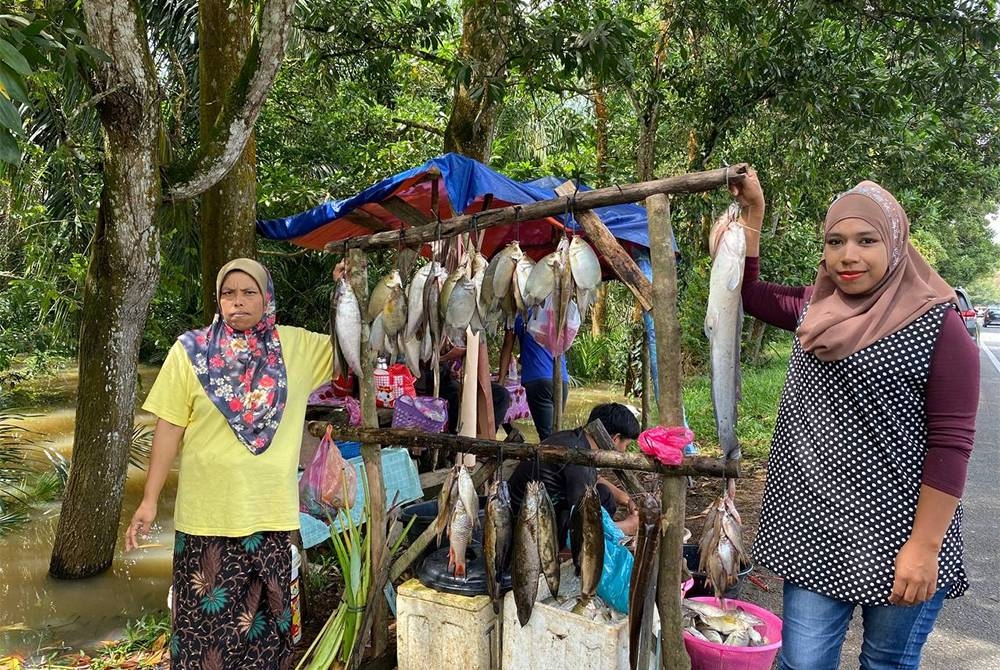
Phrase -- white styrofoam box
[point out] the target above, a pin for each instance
(436, 631)
(554, 638)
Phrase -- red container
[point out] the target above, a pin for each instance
(711, 656)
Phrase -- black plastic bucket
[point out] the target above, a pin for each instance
(692, 556)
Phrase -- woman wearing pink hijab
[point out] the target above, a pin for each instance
(862, 506)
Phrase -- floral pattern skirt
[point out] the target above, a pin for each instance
(231, 602)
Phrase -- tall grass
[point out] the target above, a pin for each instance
(757, 412)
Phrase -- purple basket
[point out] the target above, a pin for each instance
(421, 412)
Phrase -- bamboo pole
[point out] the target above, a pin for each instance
(701, 466)
(673, 490)
(371, 451)
(557, 393)
(694, 182)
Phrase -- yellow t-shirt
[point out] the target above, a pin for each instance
(222, 488)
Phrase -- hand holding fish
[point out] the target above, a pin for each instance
(747, 192)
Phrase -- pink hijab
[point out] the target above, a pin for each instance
(838, 325)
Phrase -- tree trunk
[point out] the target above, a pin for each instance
(475, 105)
(228, 210)
(121, 280)
(601, 135)
(124, 266)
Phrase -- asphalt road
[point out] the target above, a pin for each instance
(967, 634)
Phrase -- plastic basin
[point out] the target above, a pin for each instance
(707, 655)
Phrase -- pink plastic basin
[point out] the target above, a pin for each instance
(711, 656)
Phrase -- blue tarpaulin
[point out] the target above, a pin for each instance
(463, 186)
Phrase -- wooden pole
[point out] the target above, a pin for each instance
(557, 393)
(599, 434)
(371, 451)
(701, 466)
(694, 182)
(672, 489)
(468, 424)
(625, 268)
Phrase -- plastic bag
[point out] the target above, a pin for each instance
(666, 444)
(618, 561)
(542, 326)
(329, 483)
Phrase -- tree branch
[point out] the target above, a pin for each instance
(236, 121)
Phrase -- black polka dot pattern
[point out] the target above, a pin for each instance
(845, 469)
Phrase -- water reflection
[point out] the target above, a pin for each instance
(39, 614)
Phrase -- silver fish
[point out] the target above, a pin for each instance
(548, 539)
(459, 535)
(723, 325)
(380, 293)
(586, 267)
(504, 264)
(497, 538)
(526, 566)
(587, 543)
(348, 326)
(415, 302)
(467, 495)
(541, 280)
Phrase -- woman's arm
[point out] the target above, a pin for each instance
(917, 561)
(166, 443)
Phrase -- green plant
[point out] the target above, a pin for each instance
(30, 473)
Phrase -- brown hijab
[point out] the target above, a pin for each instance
(838, 325)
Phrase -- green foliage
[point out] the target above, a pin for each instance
(30, 472)
(758, 407)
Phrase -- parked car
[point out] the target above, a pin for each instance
(992, 316)
(968, 313)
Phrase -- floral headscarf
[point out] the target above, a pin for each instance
(243, 372)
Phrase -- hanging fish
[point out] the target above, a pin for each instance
(548, 540)
(585, 265)
(526, 566)
(497, 537)
(504, 264)
(380, 293)
(586, 538)
(348, 325)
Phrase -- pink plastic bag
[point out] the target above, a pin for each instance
(666, 444)
(543, 327)
(329, 483)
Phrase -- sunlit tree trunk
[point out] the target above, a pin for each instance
(124, 264)
(228, 210)
(121, 280)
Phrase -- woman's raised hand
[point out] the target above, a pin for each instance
(747, 191)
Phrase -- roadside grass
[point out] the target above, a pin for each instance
(758, 408)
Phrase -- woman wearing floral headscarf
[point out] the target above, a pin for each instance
(231, 400)
(873, 437)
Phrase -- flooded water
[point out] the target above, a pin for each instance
(39, 615)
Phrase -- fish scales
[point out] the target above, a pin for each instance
(526, 566)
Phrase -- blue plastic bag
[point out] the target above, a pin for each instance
(617, 573)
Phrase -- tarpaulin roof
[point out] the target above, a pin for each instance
(460, 185)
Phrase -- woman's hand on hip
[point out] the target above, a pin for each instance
(916, 573)
(141, 524)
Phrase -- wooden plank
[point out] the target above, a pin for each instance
(694, 182)
(692, 465)
(605, 243)
(673, 490)
(404, 211)
(368, 220)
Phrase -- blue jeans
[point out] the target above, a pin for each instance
(814, 627)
